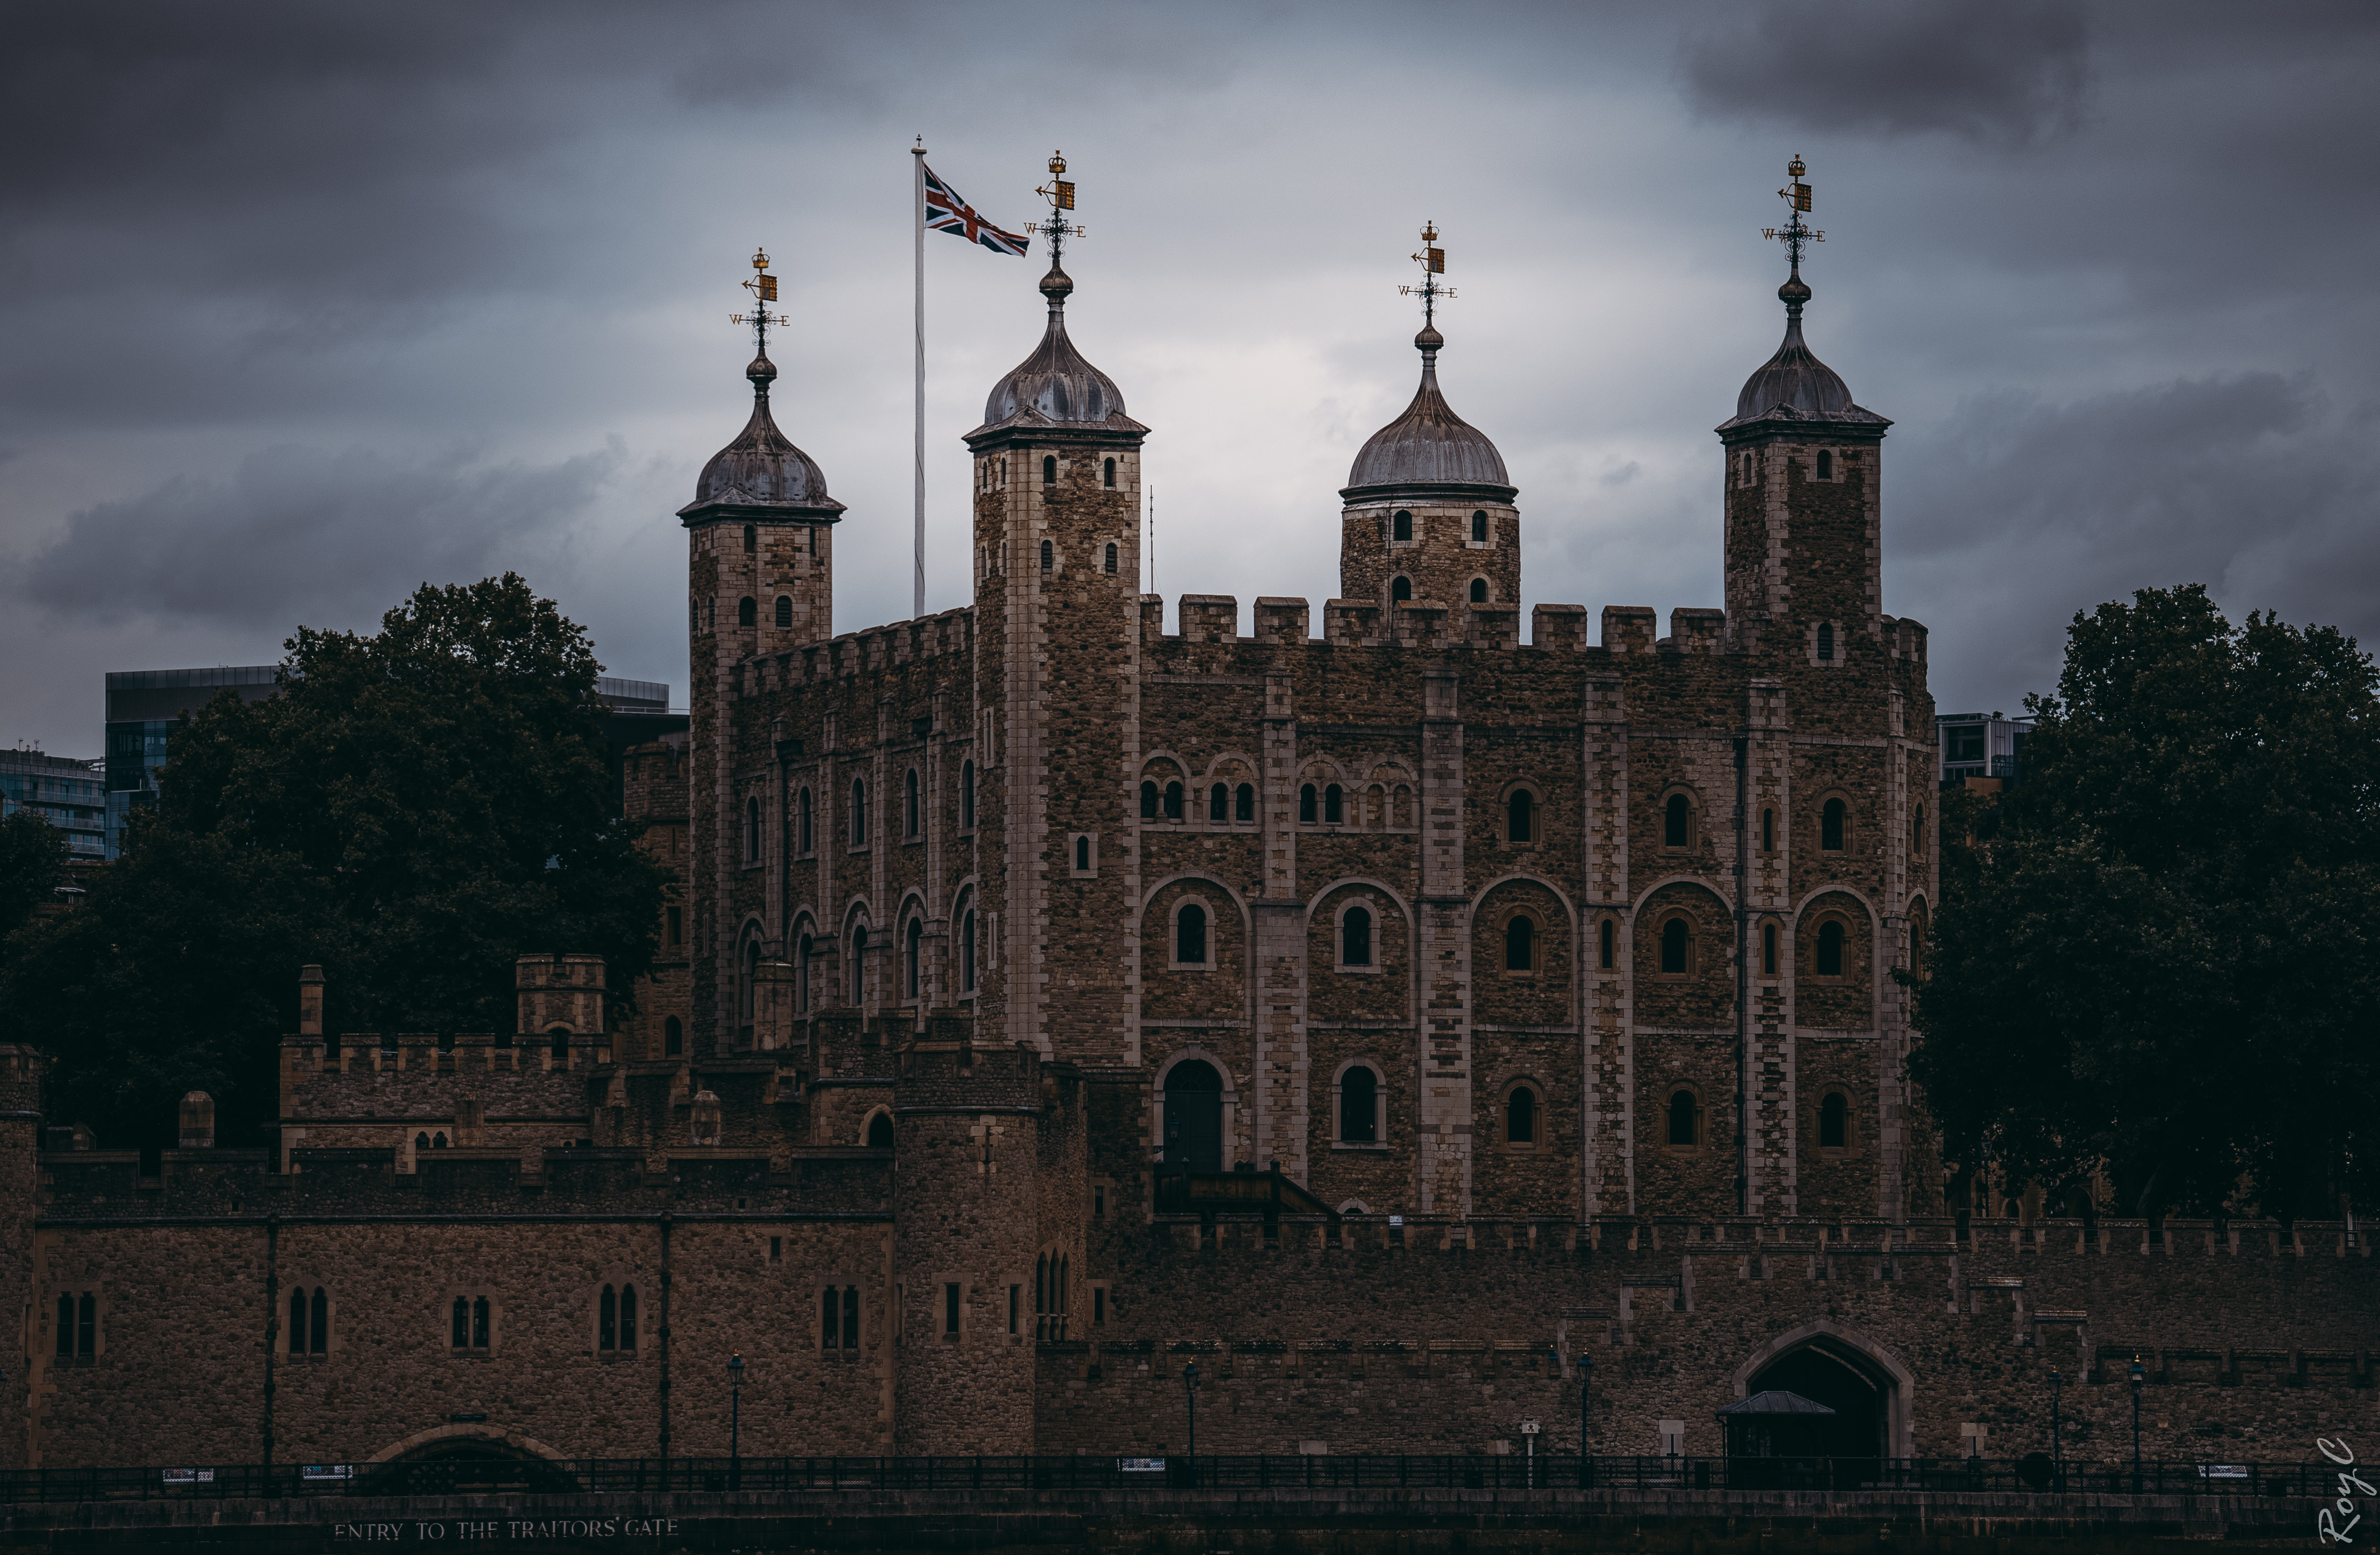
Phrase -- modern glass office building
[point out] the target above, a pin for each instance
(67, 792)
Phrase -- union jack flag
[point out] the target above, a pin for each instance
(946, 211)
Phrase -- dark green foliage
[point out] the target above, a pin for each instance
(32, 865)
(2163, 953)
(412, 811)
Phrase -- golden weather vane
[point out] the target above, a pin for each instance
(1432, 260)
(763, 288)
(1795, 232)
(1061, 195)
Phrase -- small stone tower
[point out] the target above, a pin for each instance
(1430, 514)
(760, 578)
(1058, 624)
(1804, 578)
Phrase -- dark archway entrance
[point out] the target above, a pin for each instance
(1194, 1117)
(466, 1466)
(1861, 1403)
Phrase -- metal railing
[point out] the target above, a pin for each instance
(460, 1475)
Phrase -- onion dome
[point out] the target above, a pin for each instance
(1055, 388)
(1793, 385)
(761, 474)
(1429, 446)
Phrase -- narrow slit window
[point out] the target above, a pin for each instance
(966, 951)
(858, 958)
(673, 1037)
(751, 831)
(1769, 950)
(858, 811)
(1107, 479)
(966, 795)
(951, 1292)
(802, 811)
(1082, 855)
(1677, 822)
(298, 1321)
(627, 1317)
(912, 813)
(479, 1322)
(1048, 555)
(1606, 936)
(1831, 826)
(318, 1335)
(607, 1320)
(1520, 816)
(829, 1319)
(1111, 553)
(1049, 469)
(1768, 831)
(1826, 641)
(913, 956)
(751, 536)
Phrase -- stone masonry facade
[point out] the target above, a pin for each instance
(1544, 984)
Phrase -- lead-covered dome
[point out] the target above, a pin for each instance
(1793, 385)
(1055, 387)
(761, 469)
(1429, 445)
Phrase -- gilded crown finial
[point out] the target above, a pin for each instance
(1432, 260)
(1061, 195)
(763, 288)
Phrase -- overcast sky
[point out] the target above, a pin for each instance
(307, 303)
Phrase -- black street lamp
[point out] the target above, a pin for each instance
(1190, 1385)
(736, 1420)
(2056, 1456)
(2138, 1378)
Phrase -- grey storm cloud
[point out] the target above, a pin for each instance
(335, 536)
(2003, 70)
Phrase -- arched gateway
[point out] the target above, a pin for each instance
(1866, 1385)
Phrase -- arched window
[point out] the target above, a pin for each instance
(802, 815)
(784, 610)
(1173, 801)
(1147, 800)
(1049, 469)
(297, 1321)
(748, 611)
(1190, 935)
(1218, 803)
(421, 1140)
(479, 1322)
(1835, 1121)
(1520, 943)
(1677, 822)
(1048, 555)
(751, 831)
(1112, 551)
(1677, 946)
(1520, 1117)
(1401, 588)
(1683, 1116)
(1479, 591)
(1107, 479)
(1917, 833)
(673, 1037)
(1607, 936)
(1334, 805)
(1826, 641)
(1306, 807)
(1355, 937)
(751, 536)
(858, 964)
(1830, 827)
(1827, 958)
(461, 1327)
(560, 1034)
(1826, 465)
(1479, 526)
(627, 1317)
(1769, 950)
(967, 796)
(1082, 855)
(1400, 526)
(880, 1131)
(912, 954)
(607, 1320)
(1520, 816)
(1768, 831)
(859, 812)
(438, 1140)
(318, 1336)
(1359, 1107)
(966, 951)
(912, 813)
(1244, 800)
(1917, 942)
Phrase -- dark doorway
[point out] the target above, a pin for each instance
(1194, 1117)
(1856, 1427)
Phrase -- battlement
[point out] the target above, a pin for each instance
(948, 635)
(961, 1076)
(813, 1182)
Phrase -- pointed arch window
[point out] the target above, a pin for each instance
(880, 1131)
(1355, 937)
(607, 1320)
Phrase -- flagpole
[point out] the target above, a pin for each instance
(917, 236)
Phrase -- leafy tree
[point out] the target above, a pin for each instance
(412, 809)
(32, 864)
(2165, 957)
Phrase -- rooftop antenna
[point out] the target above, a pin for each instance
(1061, 195)
(1432, 261)
(1795, 233)
(763, 288)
